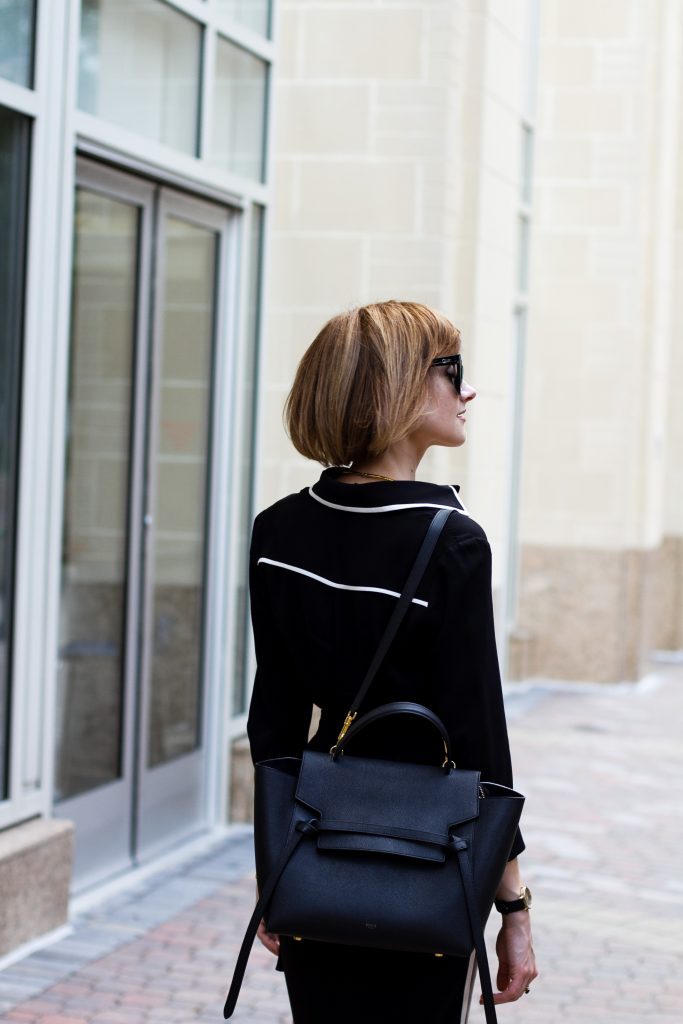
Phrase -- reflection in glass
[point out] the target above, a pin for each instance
(93, 593)
(239, 114)
(16, 40)
(248, 436)
(182, 429)
(14, 171)
(253, 14)
(140, 68)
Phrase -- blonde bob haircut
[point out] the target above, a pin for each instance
(362, 384)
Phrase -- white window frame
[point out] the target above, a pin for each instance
(60, 131)
(49, 175)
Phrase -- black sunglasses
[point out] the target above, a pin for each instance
(455, 361)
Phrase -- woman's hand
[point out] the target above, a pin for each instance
(516, 959)
(269, 939)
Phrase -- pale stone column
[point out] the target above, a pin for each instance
(669, 606)
(597, 502)
(397, 176)
(366, 118)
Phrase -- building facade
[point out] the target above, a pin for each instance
(134, 191)
(404, 160)
(519, 166)
(189, 189)
(601, 523)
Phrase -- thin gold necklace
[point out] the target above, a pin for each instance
(370, 476)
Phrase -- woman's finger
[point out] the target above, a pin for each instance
(514, 990)
(269, 939)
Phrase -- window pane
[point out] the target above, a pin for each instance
(140, 68)
(253, 14)
(181, 472)
(14, 153)
(239, 115)
(93, 593)
(16, 40)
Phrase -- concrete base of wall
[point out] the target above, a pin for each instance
(594, 615)
(241, 783)
(242, 776)
(667, 633)
(35, 874)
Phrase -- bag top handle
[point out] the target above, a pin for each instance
(402, 707)
(408, 593)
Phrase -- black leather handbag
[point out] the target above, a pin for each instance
(371, 852)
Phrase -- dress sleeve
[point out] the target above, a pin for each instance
(469, 690)
(280, 709)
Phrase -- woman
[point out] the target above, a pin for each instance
(378, 387)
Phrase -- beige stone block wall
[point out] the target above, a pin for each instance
(673, 441)
(307, 118)
(669, 609)
(389, 45)
(361, 112)
(602, 497)
(601, 317)
(396, 176)
(584, 19)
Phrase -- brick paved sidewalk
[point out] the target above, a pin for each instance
(602, 771)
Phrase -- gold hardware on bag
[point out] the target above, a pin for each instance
(297, 938)
(448, 764)
(438, 954)
(344, 729)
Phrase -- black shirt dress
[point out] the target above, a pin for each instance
(326, 567)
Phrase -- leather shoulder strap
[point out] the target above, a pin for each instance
(403, 604)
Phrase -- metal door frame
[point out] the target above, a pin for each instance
(164, 793)
(116, 837)
(103, 814)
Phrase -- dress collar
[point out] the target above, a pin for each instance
(383, 496)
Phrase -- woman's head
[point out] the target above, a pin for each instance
(364, 382)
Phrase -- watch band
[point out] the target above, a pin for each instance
(511, 906)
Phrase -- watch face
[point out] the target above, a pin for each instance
(526, 895)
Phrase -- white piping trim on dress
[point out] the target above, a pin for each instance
(458, 498)
(386, 508)
(337, 586)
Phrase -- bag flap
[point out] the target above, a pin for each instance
(497, 789)
(285, 765)
(354, 843)
(388, 793)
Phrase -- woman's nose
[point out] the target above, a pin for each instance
(467, 392)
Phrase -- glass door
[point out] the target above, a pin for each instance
(94, 768)
(131, 753)
(189, 236)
